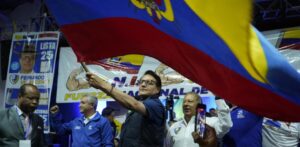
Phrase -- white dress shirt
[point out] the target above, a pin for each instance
(25, 119)
(87, 120)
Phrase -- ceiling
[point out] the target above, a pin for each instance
(268, 14)
(275, 14)
(7, 6)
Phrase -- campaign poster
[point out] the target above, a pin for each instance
(32, 60)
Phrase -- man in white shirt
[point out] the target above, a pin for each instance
(180, 133)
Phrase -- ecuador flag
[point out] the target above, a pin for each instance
(210, 42)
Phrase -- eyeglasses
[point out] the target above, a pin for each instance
(147, 82)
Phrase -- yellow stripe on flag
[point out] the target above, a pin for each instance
(231, 20)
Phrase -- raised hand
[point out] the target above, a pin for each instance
(54, 109)
(209, 139)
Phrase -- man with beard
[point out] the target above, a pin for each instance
(19, 123)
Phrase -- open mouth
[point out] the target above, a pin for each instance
(186, 110)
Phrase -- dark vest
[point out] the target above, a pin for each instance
(139, 131)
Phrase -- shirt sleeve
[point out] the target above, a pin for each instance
(168, 139)
(59, 127)
(155, 110)
(223, 122)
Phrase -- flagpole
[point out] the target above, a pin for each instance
(86, 69)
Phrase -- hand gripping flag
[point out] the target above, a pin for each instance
(210, 42)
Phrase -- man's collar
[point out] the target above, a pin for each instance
(20, 112)
(91, 117)
(191, 120)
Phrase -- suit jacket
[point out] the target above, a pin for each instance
(11, 129)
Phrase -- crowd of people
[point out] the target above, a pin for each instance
(146, 122)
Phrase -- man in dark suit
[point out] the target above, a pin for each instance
(20, 123)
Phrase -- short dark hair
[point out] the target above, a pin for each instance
(23, 88)
(155, 76)
(29, 48)
(107, 111)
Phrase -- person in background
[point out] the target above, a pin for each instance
(280, 134)
(145, 124)
(109, 113)
(20, 123)
(91, 129)
(180, 133)
(246, 130)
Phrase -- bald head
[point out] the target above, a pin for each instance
(27, 87)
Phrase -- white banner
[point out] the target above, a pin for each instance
(123, 71)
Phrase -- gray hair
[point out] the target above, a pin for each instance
(92, 100)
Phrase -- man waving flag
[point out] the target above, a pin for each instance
(210, 42)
